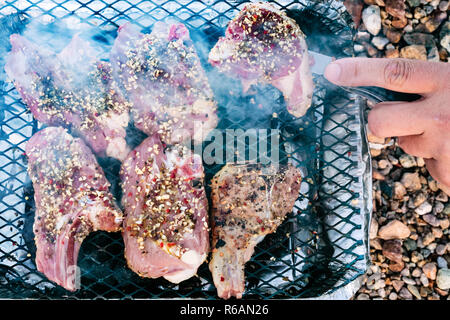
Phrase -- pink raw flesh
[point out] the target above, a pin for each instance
(72, 89)
(166, 226)
(163, 78)
(72, 200)
(262, 44)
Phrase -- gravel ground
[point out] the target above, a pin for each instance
(410, 247)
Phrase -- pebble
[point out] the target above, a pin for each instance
(435, 21)
(372, 19)
(428, 238)
(431, 220)
(416, 257)
(373, 231)
(417, 52)
(405, 294)
(400, 23)
(419, 199)
(394, 230)
(414, 291)
(438, 207)
(407, 161)
(396, 8)
(362, 296)
(393, 296)
(354, 7)
(358, 48)
(399, 191)
(430, 270)
(405, 272)
(443, 5)
(416, 273)
(413, 3)
(411, 181)
(410, 244)
(424, 208)
(394, 35)
(441, 249)
(409, 281)
(444, 35)
(433, 55)
(442, 197)
(444, 223)
(398, 284)
(443, 279)
(446, 210)
(380, 42)
(392, 249)
(437, 233)
(424, 280)
(442, 263)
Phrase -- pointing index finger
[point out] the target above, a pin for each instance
(402, 75)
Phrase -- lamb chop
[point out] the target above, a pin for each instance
(73, 89)
(72, 199)
(166, 228)
(263, 45)
(249, 201)
(163, 77)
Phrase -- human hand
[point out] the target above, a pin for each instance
(422, 126)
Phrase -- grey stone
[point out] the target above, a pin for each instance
(410, 244)
(442, 263)
(362, 296)
(380, 42)
(372, 19)
(407, 161)
(424, 208)
(405, 294)
(441, 249)
(414, 291)
(444, 35)
(431, 219)
(443, 279)
(429, 270)
(413, 3)
(418, 38)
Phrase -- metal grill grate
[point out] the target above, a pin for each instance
(326, 249)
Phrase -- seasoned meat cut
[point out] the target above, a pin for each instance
(165, 230)
(72, 199)
(249, 201)
(73, 89)
(263, 45)
(163, 78)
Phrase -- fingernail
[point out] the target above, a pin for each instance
(333, 72)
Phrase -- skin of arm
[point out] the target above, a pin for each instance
(422, 126)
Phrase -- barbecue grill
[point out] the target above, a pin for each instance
(321, 249)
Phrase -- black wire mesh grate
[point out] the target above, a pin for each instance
(320, 248)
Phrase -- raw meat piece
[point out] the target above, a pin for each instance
(73, 89)
(249, 201)
(166, 228)
(163, 77)
(72, 199)
(262, 44)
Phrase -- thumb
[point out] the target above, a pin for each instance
(402, 75)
